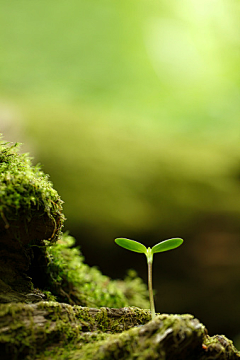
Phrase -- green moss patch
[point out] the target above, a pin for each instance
(25, 191)
(74, 282)
(27, 330)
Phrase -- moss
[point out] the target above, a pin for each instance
(219, 344)
(167, 337)
(25, 191)
(49, 296)
(135, 290)
(166, 334)
(49, 330)
(27, 330)
(30, 212)
(74, 282)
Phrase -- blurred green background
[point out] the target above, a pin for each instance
(133, 108)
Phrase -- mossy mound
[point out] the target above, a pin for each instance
(27, 194)
(30, 212)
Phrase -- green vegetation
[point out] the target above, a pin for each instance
(50, 330)
(74, 282)
(30, 329)
(165, 245)
(25, 191)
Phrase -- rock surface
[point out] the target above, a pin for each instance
(49, 330)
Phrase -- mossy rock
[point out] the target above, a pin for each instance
(49, 330)
(30, 213)
(36, 260)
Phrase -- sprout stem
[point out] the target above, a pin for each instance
(165, 245)
(150, 289)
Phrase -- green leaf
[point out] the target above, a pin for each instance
(167, 245)
(131, 245)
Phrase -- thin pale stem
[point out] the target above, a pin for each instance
(150, 289)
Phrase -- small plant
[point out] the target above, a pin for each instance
(165, 245)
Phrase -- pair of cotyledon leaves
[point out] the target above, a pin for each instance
(136, 246)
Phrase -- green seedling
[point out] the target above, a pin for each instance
(165, 245)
